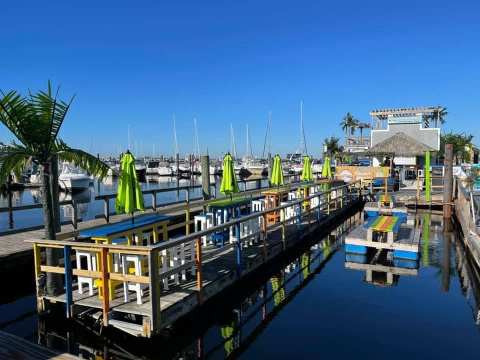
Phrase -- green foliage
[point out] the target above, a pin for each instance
(35, 120)
(349, 123)
(438, 116)
(461, 143)
(332, 145)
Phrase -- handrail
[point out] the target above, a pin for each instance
(157, 274)
(186, 238)
(107, 197)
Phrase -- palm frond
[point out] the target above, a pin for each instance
(15, 113)
(13, 159)
(50, 112)
(82, 159)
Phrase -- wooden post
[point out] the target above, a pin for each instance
(105, 287)
(74, 215)
(154, 290)
(54, 192)
(106, 209)
(10, 202)
(187, 212)
(448, 179)
(205, 168)
(198, 265)
(154, 201)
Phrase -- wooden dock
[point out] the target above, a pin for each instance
(407, 240)
(214, 268)
(14, 347)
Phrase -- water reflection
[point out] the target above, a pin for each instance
(231, 330)
(469, 277)
(318, 294)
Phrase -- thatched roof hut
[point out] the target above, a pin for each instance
(399, 144)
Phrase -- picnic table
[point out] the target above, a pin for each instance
(273, 199)
(385, 200)
(225, 210)
(125, 231)
(389, 225)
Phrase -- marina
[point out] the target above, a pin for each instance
(239, 180)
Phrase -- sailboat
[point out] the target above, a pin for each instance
(250, 164)
(180, 169)
(295, 159)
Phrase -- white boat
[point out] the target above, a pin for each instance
(73, 179)
(36, 178)
(156, 168)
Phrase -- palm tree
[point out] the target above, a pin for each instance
(345, 123)
(35, 121)
(349, 124)
(362, 126)
(332, 145)
(439, 116)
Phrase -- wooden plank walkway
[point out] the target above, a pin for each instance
(14, 244)
(219, 271)
(14, 347)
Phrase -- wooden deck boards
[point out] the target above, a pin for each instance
(218, 272)
(14, 244)
(13, 347)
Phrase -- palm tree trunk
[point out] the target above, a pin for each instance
(54, 192)
(52, 255)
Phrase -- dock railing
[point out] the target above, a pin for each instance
(308, 210)
(106, 198)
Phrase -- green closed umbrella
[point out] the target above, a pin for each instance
(428, 182)
(326, 169)
(229, 181)
(129, 194)
(277, 171)
(307, 169)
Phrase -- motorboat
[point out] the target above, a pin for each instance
(155, 167)
(73, 179)
(141, 171)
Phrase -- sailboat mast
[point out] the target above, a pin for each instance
(267, 140)
(175, 136)
(129, 145)
(303, 143)
(196, 143)
(232, 140)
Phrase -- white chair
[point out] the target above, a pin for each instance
(292, 212)
(128, 286)
(203, 222)
(179, 255)
(91, 266)
(258, 205)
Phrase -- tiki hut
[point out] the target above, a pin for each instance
(399, 144)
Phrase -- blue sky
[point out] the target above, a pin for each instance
(137, 63)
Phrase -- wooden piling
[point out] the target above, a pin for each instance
(448, 179)
(205, 168)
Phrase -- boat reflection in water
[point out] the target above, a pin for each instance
(381, 270)
(224, 333)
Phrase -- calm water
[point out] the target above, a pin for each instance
(310, 305)
(88, 207)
